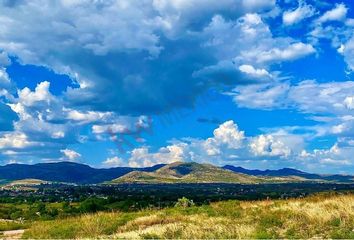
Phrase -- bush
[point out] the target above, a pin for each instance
(92, 205)
(184, 202)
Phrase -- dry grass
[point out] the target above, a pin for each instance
(322, 217)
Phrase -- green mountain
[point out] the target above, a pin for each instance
(191, 172)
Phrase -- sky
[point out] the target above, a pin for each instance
(262, 84)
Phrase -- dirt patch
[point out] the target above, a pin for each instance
(13, 234)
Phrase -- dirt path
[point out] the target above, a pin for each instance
(13, 234)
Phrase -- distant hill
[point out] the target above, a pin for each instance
(290, 172)
(70, 172)
(23, 184)
(65, 172)
(187, 172)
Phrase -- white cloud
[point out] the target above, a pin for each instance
(228, 133)
(89, 116)
(331, 161)
(335, 157)
(227, 144)
(257, 73)
(41, 93)
(331, 97)
(274, 148)
(4, 79)
(292, 52)
(349, 102)
(117, 35)
(4, 59)
(249, 40)
(15, 140)
(261, 96)
(70, 155)
(175, 16)
(141, 157)
(336, 14)
(113, 162)
(294, 16)
(48, 124)
(348, 52)
(268, 145)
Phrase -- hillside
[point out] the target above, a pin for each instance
(191, 172)
(290, 172)
(318, 217)
(23, 184)
(65, 172)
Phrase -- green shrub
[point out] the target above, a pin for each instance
(184, 203)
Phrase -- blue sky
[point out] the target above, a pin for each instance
(259, 84)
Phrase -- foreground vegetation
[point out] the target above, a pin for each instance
(324, 216)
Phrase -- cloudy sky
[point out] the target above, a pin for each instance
(252, 83)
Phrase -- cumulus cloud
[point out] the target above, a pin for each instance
(263, 96)
(227, 144)
(127, 44)
(349, 102)
(5, 82)
(348, 52)
(70, 155)
(45, 126)
(291, 52)
(249, 40)
(294, 16)
(41, 93)
(267, 145)
(338, 13)
(141, 157)
(331, 97)
(256, 73)
(113, 162)
(4, 59)
(332, 109)
(15, 140)
(228, 133)
(276, 148)
(129, 59)
(337, 156)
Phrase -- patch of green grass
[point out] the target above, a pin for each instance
(335, 222)
(149, 236)
(270, 219)
(92, 225)
(262, 234)
(12, 225)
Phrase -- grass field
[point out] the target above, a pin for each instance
(316, 216)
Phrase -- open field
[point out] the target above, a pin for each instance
(324, 216)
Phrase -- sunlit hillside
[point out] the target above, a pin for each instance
(316, 216)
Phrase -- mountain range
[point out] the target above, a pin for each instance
(66, 172)
(179, 172)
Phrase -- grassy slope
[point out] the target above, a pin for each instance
(188, 173)
(325, 217)
(28, 181)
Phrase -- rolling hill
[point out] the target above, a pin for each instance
(65, 172)
(290, 172)
(190, 172)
